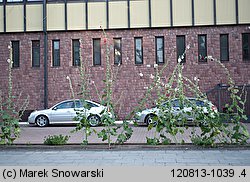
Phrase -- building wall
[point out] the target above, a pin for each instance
(117, 14)
(130, 87)
(27, 80)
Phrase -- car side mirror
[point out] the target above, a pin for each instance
(55, 108)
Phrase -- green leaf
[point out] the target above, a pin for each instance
(244, 117)
(166, 141)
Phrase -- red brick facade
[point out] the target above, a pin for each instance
(130, 87)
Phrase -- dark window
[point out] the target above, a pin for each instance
(56, 53)
(97, 51)
(181, 46)
(76, 52)
(15, 54)
(117, 51)
(138, 51)
(159, 47)
(35, 53)
(202, 47)
(224, 52)
(246, 46)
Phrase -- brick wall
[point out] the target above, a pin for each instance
(27, 80)
(130, 87)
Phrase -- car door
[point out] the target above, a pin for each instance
(175, 107)
(183, 110)
(79, 107)
(63, 112)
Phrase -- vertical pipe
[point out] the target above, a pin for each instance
(24, 15)
(4, 15)
(171, 13)
(193, 13)
(107, 13)
(86, 15)
(128, 5)
(215, 18)
(237, 11)
(150, 12)
(45, 54)
(219, 96)
(65, 14)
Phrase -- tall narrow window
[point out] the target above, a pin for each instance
(56, 53)
(35, 53)
(246, 46)
(117, 51)
(224, 48)
(76, 52)
(138, 51)
(202, 48)
(15, 54)
(181, 46)
(97, 52)
(159, 48)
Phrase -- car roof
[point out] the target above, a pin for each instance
(191, 98)
(68, 100)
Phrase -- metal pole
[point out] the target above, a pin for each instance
(45, 54)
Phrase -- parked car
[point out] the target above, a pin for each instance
(65, 111)
(149, 116)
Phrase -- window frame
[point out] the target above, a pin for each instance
(74, 62)
(53, 53)
(141, 39)
(100, 52)
(199, 49)
(15, 55)
(120, 44)
(248, 47)
(224, 48)
(156, 50)
(32, 57)
(184, 48)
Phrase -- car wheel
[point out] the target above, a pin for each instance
(94, 120)
(150, 119)
(42, 121)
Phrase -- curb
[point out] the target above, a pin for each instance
(135, 146)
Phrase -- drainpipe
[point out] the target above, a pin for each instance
(45, 59)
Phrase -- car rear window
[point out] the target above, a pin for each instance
(90, 104)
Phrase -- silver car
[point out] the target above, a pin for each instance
(65, 111)
(149, 116)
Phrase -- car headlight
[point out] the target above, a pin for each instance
(137, 115)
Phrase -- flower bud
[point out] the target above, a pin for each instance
(179, 60)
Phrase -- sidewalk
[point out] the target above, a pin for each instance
(142, 157)
(134, 153)
(36, 135)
